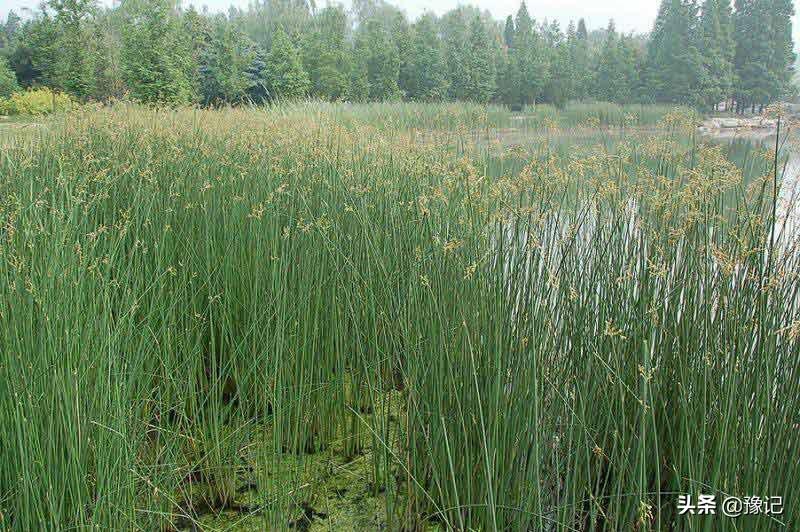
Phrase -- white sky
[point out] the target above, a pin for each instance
(629, 15)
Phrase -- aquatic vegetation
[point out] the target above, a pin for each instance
(261, 314)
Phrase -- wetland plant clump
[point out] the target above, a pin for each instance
(293, 318)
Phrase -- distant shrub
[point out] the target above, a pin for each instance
(8, 80)
(35, 102)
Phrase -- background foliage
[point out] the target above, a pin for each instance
(154, 51)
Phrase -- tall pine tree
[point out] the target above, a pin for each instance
(716, 43)
(528, 61)
(674, 66)
(782, 56)
(753, 54)
(479, 65)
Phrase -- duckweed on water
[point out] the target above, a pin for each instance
(330, 492)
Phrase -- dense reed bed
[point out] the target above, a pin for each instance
(277, 313)
(393, 117)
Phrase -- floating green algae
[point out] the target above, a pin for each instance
(325, 490)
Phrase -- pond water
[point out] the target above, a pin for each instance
(742, 148)
(747, 149)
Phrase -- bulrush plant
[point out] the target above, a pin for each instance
(269, 314)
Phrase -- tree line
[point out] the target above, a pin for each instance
(154, 51)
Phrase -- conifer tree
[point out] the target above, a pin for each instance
(258, 76)
(65, 56)
(782, 56)
(717, 80)
(561, 82)
(528, 60)
(607, 83)
(198, 31)
(578, 45)
(506, 80)
(479, 66)
(508, 32)
(753, 54)
(616, 76)
(700, 52)
(674, 63)
(8, 30)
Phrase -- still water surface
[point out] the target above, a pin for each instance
(748, 150)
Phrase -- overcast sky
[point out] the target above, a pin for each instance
(629, 15)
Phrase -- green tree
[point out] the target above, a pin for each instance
(257, 74)
(224, 64)
(529, 60)
(287, 78)
(582, 33)
(456, 38)
(9, 29)
(426, 80)
(358, 86)
(753, 54)
(377, 58)
(30, 50)
(782, 56)
(57, 48)
(508, 32)
(402, 42)
(580, 59)
(631, 64)
(480, 67)
(197, 29)
(157, 60)
(607, 83)
(716, 44)
(326, 54)
(72, 63)
(674, 66)
(265, 18)
(616, 76)
(156, 52)
(560, 85)
(8, 80)
(506, 80)
(109, 78)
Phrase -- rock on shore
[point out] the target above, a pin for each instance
(756, 122)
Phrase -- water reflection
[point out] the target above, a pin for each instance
(745, 147)
(749, 150)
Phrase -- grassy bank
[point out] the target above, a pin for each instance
(269, 314)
